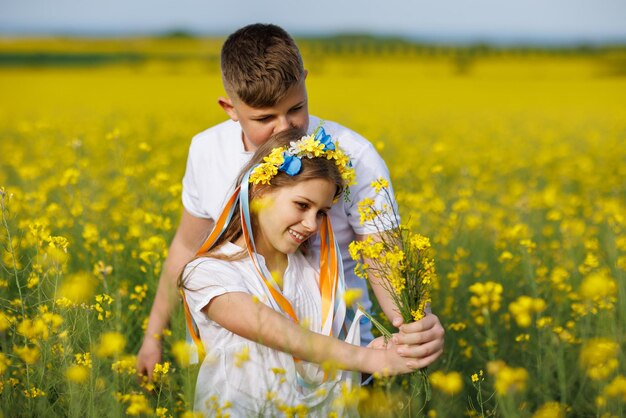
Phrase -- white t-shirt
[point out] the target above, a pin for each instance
(246, 385)
(217, 155)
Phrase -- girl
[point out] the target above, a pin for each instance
(271, 316)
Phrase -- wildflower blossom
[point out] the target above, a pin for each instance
(508, 380)
(598, 357)
(550, 410)
(487, 297)
(523, 307)
(616, 388)
(4, 363)
(29, 355)
(599, 289)
(125, 365)
(181, 350)
(242, 356)
(111, 344)
(450, 384)
(77, 373)
(379, 184)
(137, 403)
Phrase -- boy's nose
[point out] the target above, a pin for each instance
(283, 124)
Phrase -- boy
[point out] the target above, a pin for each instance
(264, 79)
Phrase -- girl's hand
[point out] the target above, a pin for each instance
(383, 358)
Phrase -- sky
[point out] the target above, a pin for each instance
(471, 20)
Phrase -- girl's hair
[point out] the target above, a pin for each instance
(312, 168)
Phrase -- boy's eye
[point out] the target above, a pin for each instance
(293, 109)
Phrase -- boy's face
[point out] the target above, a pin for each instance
(259, 124)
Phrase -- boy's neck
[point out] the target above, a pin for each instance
(247, 145)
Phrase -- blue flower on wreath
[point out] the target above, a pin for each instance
(292, 164)
(322, 137)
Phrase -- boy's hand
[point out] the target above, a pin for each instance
(422, 340)
(149, 354)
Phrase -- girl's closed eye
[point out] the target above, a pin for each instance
(302, 205)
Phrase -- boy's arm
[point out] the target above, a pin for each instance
(260, 323)
(423, 339)
(186, 242)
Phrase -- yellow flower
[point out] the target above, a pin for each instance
(161, 412)
(263, 173)
(366, 210)
(34, 392)
(126, 365)
(160, 371)
(4, 363)
(599, 288)
(508, 379)
(550, 410)
(617, 388)
(523, 307)
(83, 359)
(450, 384)
(352, 295)
(350, 396)
(5, 321)
(380, 184)
(77, 373)
(419, 242)
(486, 298)
(598, 357)
(78, 288)
(242, 356)
(29, 355)
(111, 344)
(181, 350)
(137, 403)
(33, 329)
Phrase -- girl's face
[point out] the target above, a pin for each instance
(289, 215)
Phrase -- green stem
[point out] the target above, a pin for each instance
(380, 327)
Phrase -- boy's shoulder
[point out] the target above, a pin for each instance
(351, 141)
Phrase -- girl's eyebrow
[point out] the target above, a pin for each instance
(311, 202)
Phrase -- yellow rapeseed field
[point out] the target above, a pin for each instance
(514, 165)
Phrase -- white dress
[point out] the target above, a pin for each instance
(263, 381)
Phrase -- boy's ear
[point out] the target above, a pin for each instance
(227, 104)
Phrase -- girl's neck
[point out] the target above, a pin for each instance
(275, 261)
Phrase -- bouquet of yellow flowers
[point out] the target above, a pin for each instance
(399, 259)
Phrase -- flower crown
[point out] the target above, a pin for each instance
(289, 159)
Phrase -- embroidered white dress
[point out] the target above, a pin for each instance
(263, 381)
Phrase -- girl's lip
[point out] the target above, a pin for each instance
(295, 238)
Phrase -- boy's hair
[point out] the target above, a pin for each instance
(260, 63)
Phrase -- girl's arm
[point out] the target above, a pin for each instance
(245, 316)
